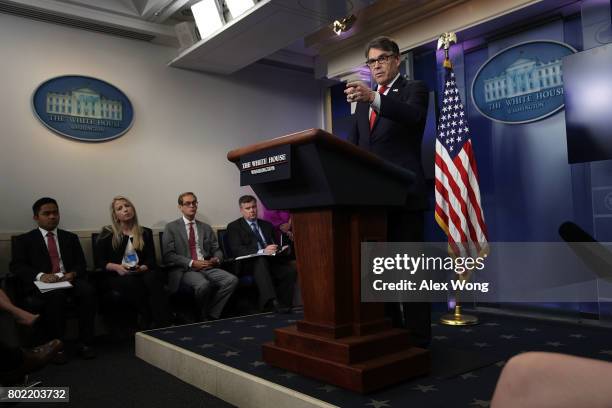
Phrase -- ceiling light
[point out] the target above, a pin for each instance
(238, 7)
(343, 25)
(207, 17)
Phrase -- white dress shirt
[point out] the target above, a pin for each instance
(376, 104)
(44, 232)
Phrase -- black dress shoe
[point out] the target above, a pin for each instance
(38, 357)
(183, 318)
(268, 307)
(60, 358)
(278, 308)
(33, 360)
(419, 341)
(86, 352)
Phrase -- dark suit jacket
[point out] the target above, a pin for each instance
(398, 131)
(241, 238)
(31, 257)
(105, 252)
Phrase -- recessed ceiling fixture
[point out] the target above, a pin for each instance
(238, 7)
(207, 17)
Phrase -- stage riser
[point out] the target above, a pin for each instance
(229, 384)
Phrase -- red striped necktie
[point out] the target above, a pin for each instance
(381, 90)
(192, 243)
(53, 252)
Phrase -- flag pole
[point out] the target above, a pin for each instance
(456, 318)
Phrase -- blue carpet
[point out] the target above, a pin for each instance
(466, 362)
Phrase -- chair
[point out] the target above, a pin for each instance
(10, 283)
(182, 303)
(112, 304)
(244, 299)
(26, 301)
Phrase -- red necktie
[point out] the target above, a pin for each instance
(192, 243)
(381, 90)
(53, 253)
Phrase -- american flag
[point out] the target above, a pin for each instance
(458, 208)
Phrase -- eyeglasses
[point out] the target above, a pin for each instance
(190, 203)
(382, 59)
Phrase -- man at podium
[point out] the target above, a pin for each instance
(389, 122)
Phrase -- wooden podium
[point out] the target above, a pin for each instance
(337, 194)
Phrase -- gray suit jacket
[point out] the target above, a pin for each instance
(175, 248)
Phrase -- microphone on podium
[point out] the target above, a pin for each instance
(570, 232)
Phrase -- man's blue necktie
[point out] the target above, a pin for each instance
(260, 241)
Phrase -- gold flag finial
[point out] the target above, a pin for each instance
(445, 42)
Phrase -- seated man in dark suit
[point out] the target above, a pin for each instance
(50, 255)
(274, 276)
(389, 122)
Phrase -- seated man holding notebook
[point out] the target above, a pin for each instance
(51, 265)
(274, 275)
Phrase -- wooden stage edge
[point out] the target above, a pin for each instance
(224, 382)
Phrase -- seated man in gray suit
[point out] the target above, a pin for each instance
(191, 247)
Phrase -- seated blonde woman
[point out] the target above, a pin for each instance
(126, 251)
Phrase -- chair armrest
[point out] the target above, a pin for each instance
(165, 266)
(11, 285)
(232, 266)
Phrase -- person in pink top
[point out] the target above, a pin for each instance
(282, 223)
